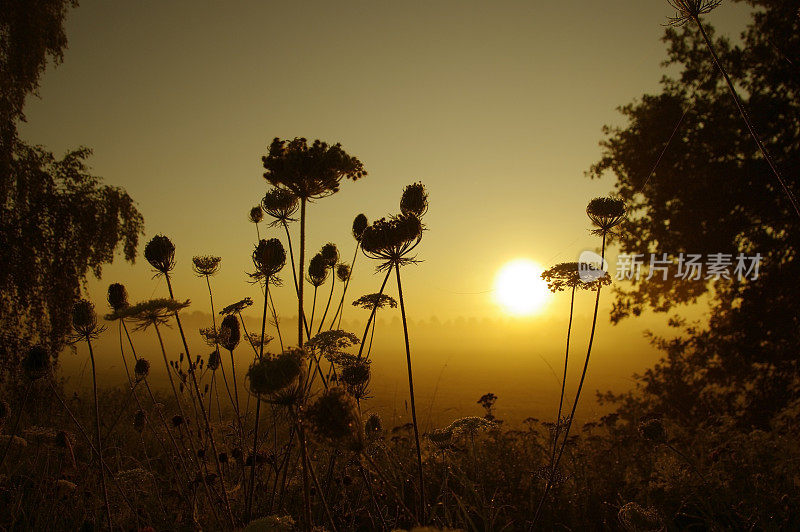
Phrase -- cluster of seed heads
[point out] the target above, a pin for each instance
(117, 297)
(269, 375)
(269, 257)
(160, 253)
(359, 224)
(605, 213)
(206, 265)
(280, 204)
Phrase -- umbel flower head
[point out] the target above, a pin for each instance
(206, 265)
(375, 300)
(334, 417)
(141, 369)
(229, 333)
(392, 240)
(687, 10)
(317, 270)
(342, 272)
(359, 224)
(36, 363)
(280, 204)
(256, 214)
(414, 200)
(160, 253)
(117, 296)
(269, 257)
(330, 254)
(568, 275)
(151, 312)
(84, 320)
(309, 171)
(235, 308)
(605, 213)
(355, 376)
(269, 375)
(332, 344)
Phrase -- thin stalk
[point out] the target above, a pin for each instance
(313, 308)
(411, 392)
(330, 296)
(301, 268)
(372, 314)
(97, 434)
(306, 466)
(563, 380)
(249, 506)
(291, 257)
(275, 319)
(340, 309)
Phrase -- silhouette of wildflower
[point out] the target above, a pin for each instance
(317, 270)
(229, 333)
(355, 376)
(36, 363)
(206, 265)
(141, 369)
(214, 360)
(256, 214)
(160, 253)
(269, 375)
(280, 204)
(330, 254)
(568, 275)
(334, 417)
(332, 344)
(369, 301)
(653, 430)
(269, 257)
(117, 296)
(139, 421)
(414, 200)
(309, 171)
(687, 10)
(605, 213)
(84, 321)
(359, 224)
(470, 425)
(392, 240)
(342, 272)
(235, 308)
(373, 428)
(152, 312)
(635, 518)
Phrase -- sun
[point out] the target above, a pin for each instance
(520, 289)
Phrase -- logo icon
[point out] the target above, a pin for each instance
(591, 267)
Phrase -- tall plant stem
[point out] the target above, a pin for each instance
(306, 465)
(291, 256)
(216, 346)
(372, 314)
(563, 379)
(249, 506)
(746, 118)
(340, 308)
(327, 306)
(97, 434)
(275, 319)
(313, 307)
(300, 267)
(552, 471)
(411, 393)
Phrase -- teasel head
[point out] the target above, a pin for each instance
(269, 257)
(84, 321)
(117, 297)
(342, 272)
(330, 254)
(317, 270)
(141, 369)
(414, 200)
(214, 360)
(152, 312)
(36, 363)
(229, 333)
(139, 421)
(392, 240)
(334, 417)
(653, 430)
(359, 224)
(206, 266)
(355, 376)
(160, 253)
(269, 374)
(605, 214)
(235, 308)
(256, 214)
(309, 171)
(688, 10)
(280, 204)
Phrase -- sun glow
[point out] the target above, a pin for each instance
(520, 289)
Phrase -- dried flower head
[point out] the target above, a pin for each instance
(330, 253)
(256, 214)
(317, 270)
(280, 204)
(369, 301)
(309, 171)
(342, 272)
(206, 265)
(269, 257)
(635, 518)
(117, 296)
(359, 224)
(569, 275)
(151, 312)
(229, 333)
(392, 240)
(605, 213)
(36, 363)
(687, 10)
(214, 360)
(373, 428)
(235, 308)
(141, 369)
(355, 376)
(271, 374)
(160, 253)
(414, 200)
(332, 343)
(84, 321)
(334, 417)
(653, 430)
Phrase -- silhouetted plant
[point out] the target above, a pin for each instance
(255, 216)
(317, 275)
(360, 223)
(160, 253)
(334, 416)
(370, 302)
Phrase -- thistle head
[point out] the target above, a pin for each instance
(214, 360)
(229, 333)
(256, 214)
(160, 253)
(141, 369)
(688, 10)
(317, 270)
(117, 296)
(359, 224)
(330, 254)
(342, 272)
(334, 417)
(414, 200)
(605, 213)
(206, 265)
(270, 375)
(280, 204)
(653, 430)
(36, 363)
(392, 240)
(84, 320)
(269, 257)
